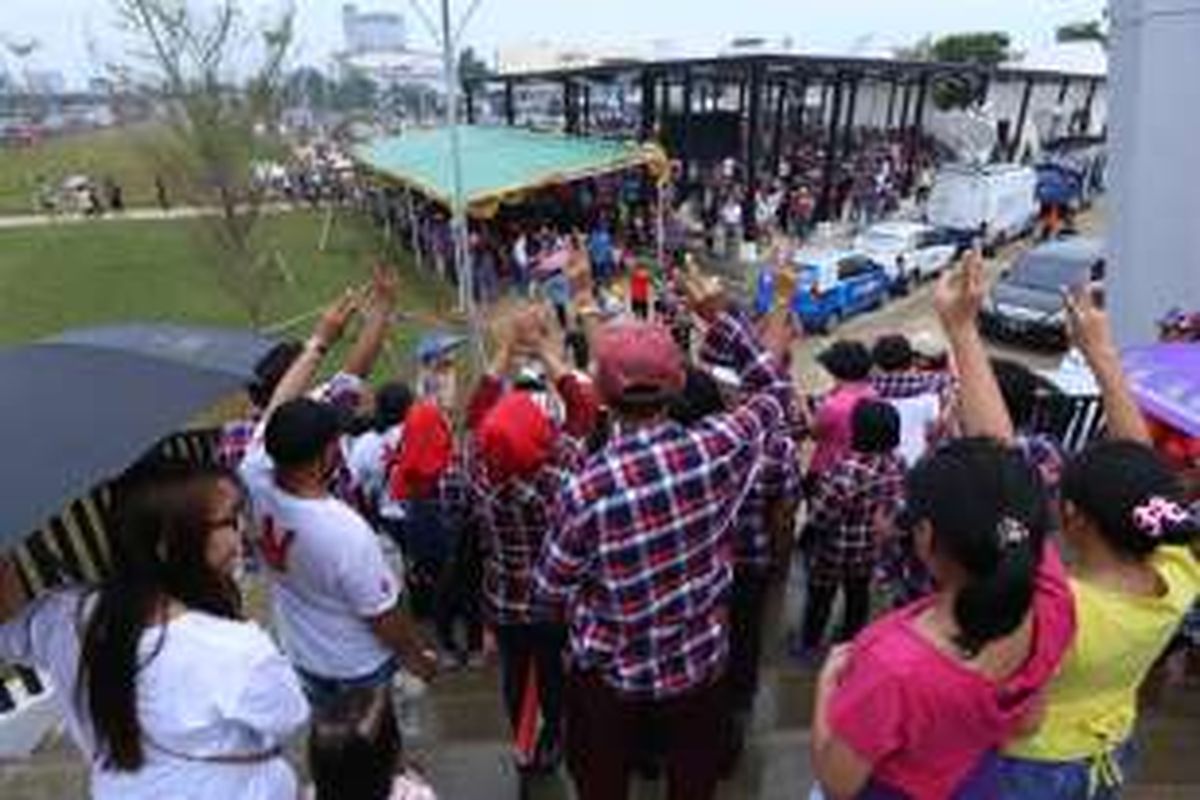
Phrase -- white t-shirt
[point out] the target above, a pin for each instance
(328, 575)
(368, 460)
(215, 687)
(918, 415)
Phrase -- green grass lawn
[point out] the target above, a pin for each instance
(119, 152)
(58, 277)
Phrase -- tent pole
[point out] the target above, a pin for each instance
(662, 226)
(462, 265)
(414, 233)
(326, 229)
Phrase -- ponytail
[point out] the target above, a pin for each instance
(994, 605)
(988, 513)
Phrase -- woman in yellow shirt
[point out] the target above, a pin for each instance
(1134, 579)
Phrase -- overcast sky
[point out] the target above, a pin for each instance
(66, 27)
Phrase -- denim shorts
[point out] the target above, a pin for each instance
(1024, 779)
(322, 691)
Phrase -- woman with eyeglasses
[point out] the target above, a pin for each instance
(165, 687)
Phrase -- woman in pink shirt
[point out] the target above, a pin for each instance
(850, 365)
(919, 703)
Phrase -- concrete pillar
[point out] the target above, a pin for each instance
(825, 199)
(684, 157)
(1154, 194)
(750, 156)
(648, 105)
(1018, 132)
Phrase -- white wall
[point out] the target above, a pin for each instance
(1154, 185)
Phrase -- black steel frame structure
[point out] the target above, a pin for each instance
(771, 92)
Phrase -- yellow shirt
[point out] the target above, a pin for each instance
(1092, 703)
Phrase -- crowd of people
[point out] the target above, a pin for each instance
(870, 175)
(607, 516)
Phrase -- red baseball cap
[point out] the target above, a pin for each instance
(516, 438)
(638, 361)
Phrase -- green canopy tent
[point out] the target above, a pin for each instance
(499, 164)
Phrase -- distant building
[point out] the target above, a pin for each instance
(372, 32)
(377, 47)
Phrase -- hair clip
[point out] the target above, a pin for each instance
(1012, 532)
(1150, 516)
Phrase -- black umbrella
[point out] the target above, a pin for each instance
(79, 409)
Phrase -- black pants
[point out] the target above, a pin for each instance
(457, 598)
(606, 733)
(521, 647)
(857, 593)
(746, 609)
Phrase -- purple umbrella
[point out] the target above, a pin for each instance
(1165, 379)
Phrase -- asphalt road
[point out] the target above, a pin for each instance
(914, 314)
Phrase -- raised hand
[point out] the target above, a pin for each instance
(1088, 323)
(960, 293)
(704, 293)
(384, 286)
(333, 321)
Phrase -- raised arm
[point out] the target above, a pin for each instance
(365, 352)
(958, 298)
(13, 597)
(329, 328)
(1092, 334)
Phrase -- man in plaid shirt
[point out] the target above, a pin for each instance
(519, 463)
(853, 504)
(763, 537)
(641, 556)
(896, 376)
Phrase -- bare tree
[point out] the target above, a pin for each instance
(216, 81)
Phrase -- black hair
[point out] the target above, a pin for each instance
(392, 402)
(847, 361)
(875, 427)
(161, 519)
(300, 430)
(1109, 481)
(701, 397)
(576, 342)
(354, 747)
(988, 512)
(1022, 389)
(642, 402)
(893, 353)
(270, 369)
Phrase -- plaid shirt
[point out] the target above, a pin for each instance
(850, 497)
(778, 480)
(641, 552)
(513, 518)
(901, 385)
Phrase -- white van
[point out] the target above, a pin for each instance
(998, 198)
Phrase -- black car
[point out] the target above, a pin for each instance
(1026, 305)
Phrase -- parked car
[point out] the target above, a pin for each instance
(1026, 305)
(909, 252)
(997, 202)
(831, 287)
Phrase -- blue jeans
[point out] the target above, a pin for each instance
(321, 691)
(1065, 780)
